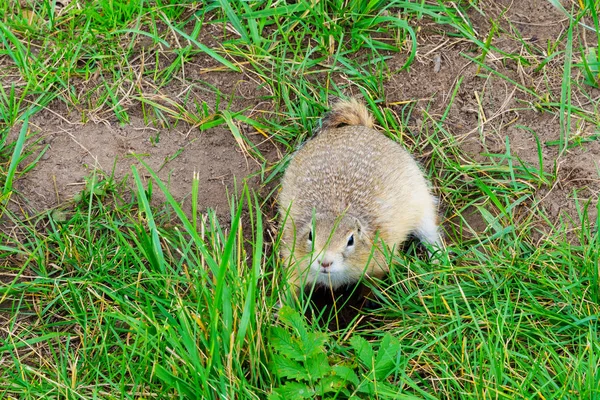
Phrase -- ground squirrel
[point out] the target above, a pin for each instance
(344, 191)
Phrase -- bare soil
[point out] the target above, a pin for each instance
(487, 110)
(107, 148)
(77, 149)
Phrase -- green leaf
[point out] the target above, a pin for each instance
(16, 157)
(286, 368)
(173, 381)
(363, 350)
(387, 357)
(331, 384)
(295, 391)
(345, 373)
(318, 367)
(280, 11)
(366, 386)
(275, 396)
(203, 47)
(304, 345)
(235, 20)
(283, 342)
(313, 344)
(155, 250)
(290, 317)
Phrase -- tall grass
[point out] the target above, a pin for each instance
(127, 306)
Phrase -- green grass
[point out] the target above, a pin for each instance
(108, 297)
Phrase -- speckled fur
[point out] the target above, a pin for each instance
(350, 182)
(349, 112)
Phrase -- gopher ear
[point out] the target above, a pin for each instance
(362, 228)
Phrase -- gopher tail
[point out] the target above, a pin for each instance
(347, 112)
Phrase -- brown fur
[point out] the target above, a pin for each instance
(344, 190)
(347, 112)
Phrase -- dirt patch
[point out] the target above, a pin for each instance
(77, 150)
(486, 110)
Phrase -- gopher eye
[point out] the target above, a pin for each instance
(310, 238)
(351, 240)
